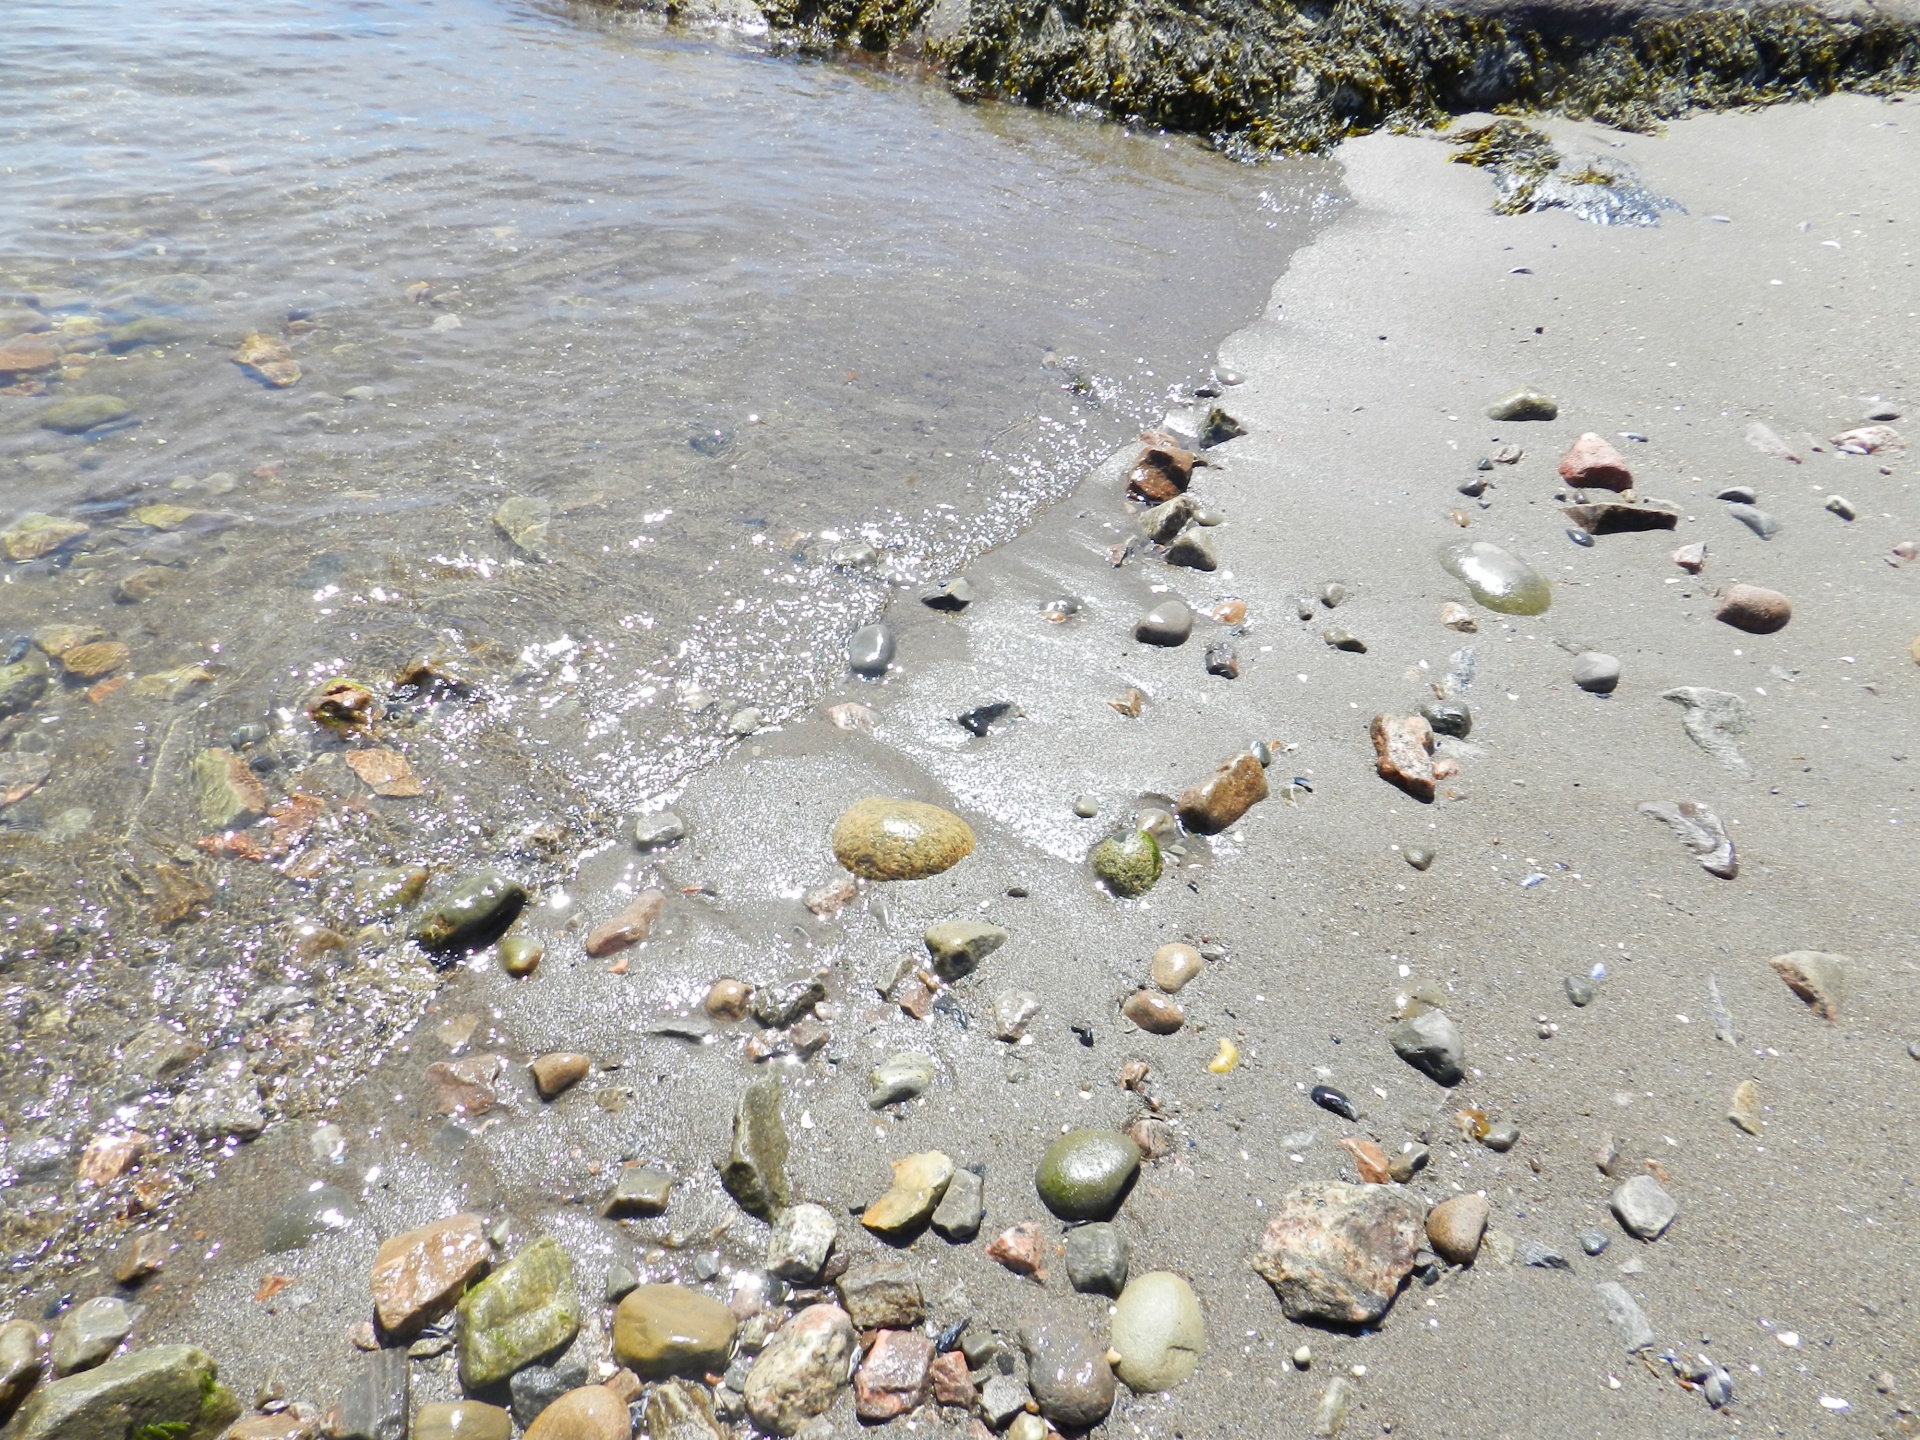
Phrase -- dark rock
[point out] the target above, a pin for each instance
(1085, 1174)
(1614, 517)
(478, 908)
(374, 1406)
(1072, 1382)
(956, 594)
(1328, 1098)
(1223, 660)
(755, 1172)
(958, 1216)
(1167, 624)
(870, 650)
(1097, 1259)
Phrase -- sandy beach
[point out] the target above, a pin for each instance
(1782, 292)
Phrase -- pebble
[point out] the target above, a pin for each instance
(1368, 1158)
(1163, 522)
(958, 1216)
(1593, 464)
(1127, 864)
(1085, 1174)
(1407, 1162)
(1061, 607)
(1455, 1226)
(899, 1077)
(887, 839)
(1502, 1137)
(559, 1072)
(1839, 505)
(1168, 623)
(680, 1410)
(755, 1172)
(1496, 579)
(882, 1295)
(1236, 786)
(1418, 856)
(592, 1412)
(958, 946)
(1223, 660)
(1594, 1242)
(89, 1333)
(1524, 404)
(81, 413)
(1700, 831)
(892, 1379)
(1158, 1331)
(1161, 471)
(638, 1190)
(1068, 1372)
(1153, 1012)
(1226, 1057)
(525, 1311)
(418, 1275)
(480, 903)
(1021, 1249)
(1193, 551)
(1330, 1099)
(1175, 966)
(1691, 558)
(799, 1243)
(1430, 1042)
(1579, 990)
(1754, 609)
(1755, 519)
(728, 999)
(1596, 673)
(1643, 1207)
(1097, 1259)
(658, 830)
(628, 928)
(1336, 1253)
(461, 1420)
(800, 1372)
(1086, 806)
(956, 594)
(619, 1284)
(1003, 1399)
(1341, 639)
(1816, 977)
(1540, 1255)
(1403, 753)
(1627, 1317)
(870, 650)
(919, 1182)
(1737, 495)
(1012, 1011)
(662, 1330)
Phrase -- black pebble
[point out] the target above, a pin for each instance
(1328, 1098)
(1083, 1029)
(1581, 538)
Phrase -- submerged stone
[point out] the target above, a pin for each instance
(81, 413)
(481, 902)
(1496, 579)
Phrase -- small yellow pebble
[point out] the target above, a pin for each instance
(1225, 1058)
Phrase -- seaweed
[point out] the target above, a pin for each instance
(1260, 76)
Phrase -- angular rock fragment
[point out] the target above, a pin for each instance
(270, 360)
(1700, 831)
(1592, 464)
(755, 1171)
(629, 927)
(1816, 977)
(919, 1182)
(1611, 517)
(1403, 753)
(1712, 719)
(893, 1378)
(1162, 470)
(417, 1276)
(1636, 1331)
(1338, 1254)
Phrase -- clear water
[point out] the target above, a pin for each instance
(725, 316)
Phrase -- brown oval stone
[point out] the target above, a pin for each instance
(91, 661)
(883, 839)
(1454, 1228)
(559, 1072)
(1174, 965)
(662, 1330)
(1753, 609)
(593, 1412)
(26, 353)
(727, 998)
(1223, 797)
(1155, 1014)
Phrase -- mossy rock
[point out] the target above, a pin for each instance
(1128, 865)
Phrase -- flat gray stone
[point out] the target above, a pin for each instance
(1430, 1042)
(899, 1077)
(1596, 673)
(90, 1332)
(1636, 1331)
(958, 1215)
(802, 1238)
(1643, 1207)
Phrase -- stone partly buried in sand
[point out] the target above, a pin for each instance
(662, 1330)
(1403, 753)
(800, 1372)
(1337, 1254)
(1617, 517)
(81, 413)
(1085, 1174)
(1128, 864)
(1817, 977)
(226, 791)
(418, 1275)
(525, 1311)
(629, 927)
(1700, 831)
(480, 904)
(1430, 1042)
(886, 839)
(1162, 470)
(755, 1170)
(1752, 608)
(1158, 1332)
(1235, 787)
(1524, 404)
(957, 947)
(165, 1392)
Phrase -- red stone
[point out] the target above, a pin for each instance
(1020, 1249)
(1403, 750)
(465, 1087)
(1368, 1158)
(893, 1378)
(25, 353)
(418, 1276)
(1753, 609)
(1162, 470)
(952, 1385)
(1592, 464)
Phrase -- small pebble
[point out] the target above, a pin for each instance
(1328, 1098)
(1595, 673)
(1086, 807)
(1579, 989)
(1502, 1137)
(1303, 1357)
(1346, 640)
(1418, 856)
(1581, 538)
(1737, 495)
(1837, 504)
(1594, 1241)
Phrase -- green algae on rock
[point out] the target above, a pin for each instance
(883, 839)
(525, 1311)
(80, 413)
(170, 1391)
(1128, 865)
(1498, 580)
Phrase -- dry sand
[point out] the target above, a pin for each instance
(1366, 386)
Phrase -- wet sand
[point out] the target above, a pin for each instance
(1364, 398)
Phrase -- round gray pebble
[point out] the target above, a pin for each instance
(1595, 673)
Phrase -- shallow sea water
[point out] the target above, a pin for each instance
(768, 344)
